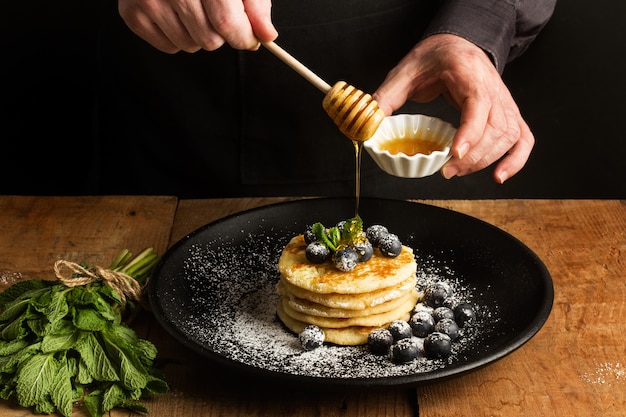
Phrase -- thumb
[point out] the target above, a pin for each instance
(260, 17)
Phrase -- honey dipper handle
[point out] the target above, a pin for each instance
(297, 66)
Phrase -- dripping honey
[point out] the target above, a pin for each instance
(410, 146)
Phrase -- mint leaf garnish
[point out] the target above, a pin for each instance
(333, 238)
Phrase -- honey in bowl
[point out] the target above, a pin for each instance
(407, 134)
(410, 146)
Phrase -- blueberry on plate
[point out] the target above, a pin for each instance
(390, 245)
(437, 345)
(422, 307)
(379, 341)
(404, 350)
(422, 323)
(317, 253)
(464, 313)
(311, 337)
(346, 259)
(435, 294)
(374, 232)
(449, 327)
(400, 329)
(442, 312)
(450, 302)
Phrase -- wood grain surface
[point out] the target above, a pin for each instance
(575, 365)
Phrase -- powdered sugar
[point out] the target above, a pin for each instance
(227, 306)
(608, 373)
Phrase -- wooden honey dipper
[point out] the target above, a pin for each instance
(355, 113)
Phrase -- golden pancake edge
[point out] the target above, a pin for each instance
(346, 305)
(379, 272)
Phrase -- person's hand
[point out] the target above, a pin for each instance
(191, 25)
(491, 125)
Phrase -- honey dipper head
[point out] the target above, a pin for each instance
(355, 113)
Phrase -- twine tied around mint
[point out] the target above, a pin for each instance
(72, 274)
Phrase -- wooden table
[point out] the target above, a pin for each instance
(574, 366)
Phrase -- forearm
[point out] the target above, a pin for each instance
(502, 28)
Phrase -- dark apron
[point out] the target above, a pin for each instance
(240, 123)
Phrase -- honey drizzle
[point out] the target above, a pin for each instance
(358, 151)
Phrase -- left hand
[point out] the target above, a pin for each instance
(491, 126)
(190, 25)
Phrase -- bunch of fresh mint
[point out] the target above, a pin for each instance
(63, 345)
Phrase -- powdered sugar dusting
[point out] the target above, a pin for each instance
(229, 309)
(607, 373)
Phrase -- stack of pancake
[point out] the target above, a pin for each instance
(346, 305)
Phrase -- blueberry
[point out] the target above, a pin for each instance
(400, 329)
(390, 245)
(379, 341)
(436, 293)
(364, 249)
(464, 313)
(442, 312)
(311, 337)
(317, 253)
(437, 345)
(422, 307)
(422, 323)
(374, 232)
(450, 302)
(449, 327)
(309, 236)
(346, 259)
(404, 350)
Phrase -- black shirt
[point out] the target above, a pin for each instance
(241, 123)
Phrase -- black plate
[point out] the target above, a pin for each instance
(214, 291)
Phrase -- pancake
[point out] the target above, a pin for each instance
(308, 307)
(347, 305)
(347, 336)
(377, 273)
(349, 301)
(366, 320)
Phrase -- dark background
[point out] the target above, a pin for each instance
(570, 87)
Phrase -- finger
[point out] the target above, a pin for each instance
(183, 35)
(229, 19)
(510, 135)
(144, 27)
(500, 134)
(259, 14)
(516, 158)
(155, 37)
(393, 92)
(160, 27)
(200, 32)
(506, 133)
(474, 118)
(476, 143)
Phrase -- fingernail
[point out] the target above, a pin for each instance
(502, 176)
(462, 150)
(449, 171)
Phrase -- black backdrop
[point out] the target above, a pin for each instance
(569, 85)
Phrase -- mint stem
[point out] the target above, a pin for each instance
(136, 267)
(121, 259)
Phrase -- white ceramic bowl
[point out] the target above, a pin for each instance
(407, 127)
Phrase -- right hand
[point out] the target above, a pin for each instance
(191, 25)
(491, 126)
